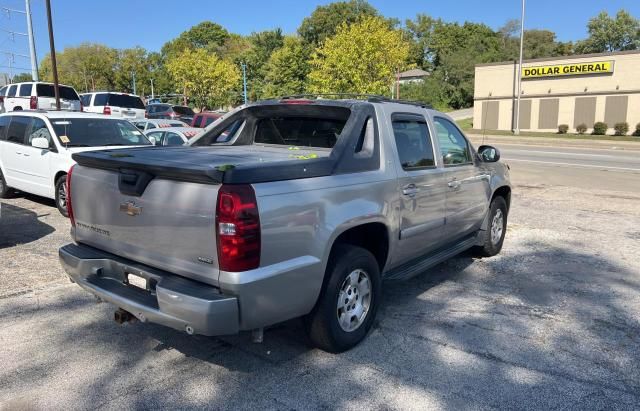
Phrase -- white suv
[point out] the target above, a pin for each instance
(115, 104)
(36, 148)
(38, 95)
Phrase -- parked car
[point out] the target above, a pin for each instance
(34, 95)
(172, 136)
(317, 202)
(36, 148)
(145, 125)
(205, 118)
(154, 101)
(113, 104)
(167, 111)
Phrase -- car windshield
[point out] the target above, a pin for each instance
(97, 132)
(66, 93)
(183, 110)
(126, 101)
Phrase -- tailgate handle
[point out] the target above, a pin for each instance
(133, 182)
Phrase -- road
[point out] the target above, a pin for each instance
(550, 323)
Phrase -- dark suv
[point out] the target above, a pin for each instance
(167, 111)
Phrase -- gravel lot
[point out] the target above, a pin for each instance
(553, 322)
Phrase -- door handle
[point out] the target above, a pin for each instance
(410, 190)
(454, 184)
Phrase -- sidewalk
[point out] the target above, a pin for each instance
(478, 139)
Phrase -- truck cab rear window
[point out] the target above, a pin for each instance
(299, 131)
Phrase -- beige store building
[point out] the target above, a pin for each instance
(570, 90)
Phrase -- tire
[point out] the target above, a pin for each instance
(496, 230)
(61, 195)
(5, 190)
(349, 270)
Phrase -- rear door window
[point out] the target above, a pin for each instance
(85, 99)
(12, 91)
(4, 125)
(25, 90)
(47, 90)
(413, 142)
(172, 139)
(17, 129)
(3, 91)
(101, 99)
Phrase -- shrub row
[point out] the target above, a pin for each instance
(600, 129)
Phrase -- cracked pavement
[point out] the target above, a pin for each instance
(551, 323)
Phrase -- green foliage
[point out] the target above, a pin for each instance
(21, 77)
(600, 128)
(208, 80)
(360, 58)
(581, 128)
(637, 132)
(621, 129)
(206, 35)
(287, 69)
(325, 20)
(608, 34)
(563, 128)
(262, 45)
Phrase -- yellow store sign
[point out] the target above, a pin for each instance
(576, 69)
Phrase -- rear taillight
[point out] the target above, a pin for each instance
(69, 206)
(1, 99)
(33, 103)
(237, 228)
(106, 110)
(81, 106)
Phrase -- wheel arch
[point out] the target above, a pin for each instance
(368, 236)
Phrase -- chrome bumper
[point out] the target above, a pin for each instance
(170, 300)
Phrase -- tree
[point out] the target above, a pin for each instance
(208, 80)
(287, 69)
(205, 35)
(263, 44)
(360, 58)
(421, 31)
(21, 77)
(607, 34)
(325, 20)
(130, 61)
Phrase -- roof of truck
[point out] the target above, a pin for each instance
(340, 99)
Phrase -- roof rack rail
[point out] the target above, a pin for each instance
(373, 98)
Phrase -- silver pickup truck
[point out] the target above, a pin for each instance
(281, 209)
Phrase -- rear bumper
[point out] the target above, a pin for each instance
(171, 300)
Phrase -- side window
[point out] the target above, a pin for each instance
(12, 91)
(3, 91)
(172, 139)
(38, 129)
(228, 133)
(157, 135)
(4, 125)
(454, 147)
(25, 90)
(85, 99)
(101, 99)
(139, 125)
(17, 129)
(413, 141)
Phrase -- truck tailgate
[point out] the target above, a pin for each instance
(170, 226)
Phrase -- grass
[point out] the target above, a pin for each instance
(467, 125)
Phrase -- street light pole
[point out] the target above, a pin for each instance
(133, 73)
(32, 44)
(517, 130)
(54, 67)
(244, 82)
(152, 95)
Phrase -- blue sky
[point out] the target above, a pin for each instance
(127, 23)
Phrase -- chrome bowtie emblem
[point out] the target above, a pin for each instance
(130, 208)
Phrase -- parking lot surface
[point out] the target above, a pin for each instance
(551, 323)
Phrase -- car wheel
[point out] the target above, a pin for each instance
(5, 190)
(61, 195)
(348, 303)
(496, 229)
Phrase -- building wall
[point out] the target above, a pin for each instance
(498, 83)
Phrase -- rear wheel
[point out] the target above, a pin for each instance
(61, 195)
(5, 190)
(348, 302)
(496, 229)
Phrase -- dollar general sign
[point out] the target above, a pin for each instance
(577, 69)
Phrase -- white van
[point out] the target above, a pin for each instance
(34, 95)
(36, 148)
(115, 104)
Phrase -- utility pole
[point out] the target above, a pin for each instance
(32, 44)
(52, 46)
(517, 130)
(244, 82)
(152, 95)
(133, 73)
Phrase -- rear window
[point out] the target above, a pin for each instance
(299, 131)
(95, 132)
(182, 110)
(66, 93)
(126, 101)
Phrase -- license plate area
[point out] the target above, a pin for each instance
(141, 283)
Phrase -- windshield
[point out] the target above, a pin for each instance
(97, 132)
(66, 93)
(183, 110)
(123, 100)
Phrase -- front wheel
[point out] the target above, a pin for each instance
(348, 302)
(496, 229)
(61, 195)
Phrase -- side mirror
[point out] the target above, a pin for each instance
(152, 140)
(40, 142)
(488, 154)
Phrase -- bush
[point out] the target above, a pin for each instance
(637, 132)
(600, 128)
(563, 128)
(581, 128)
(621, 129)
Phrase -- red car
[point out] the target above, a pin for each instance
(205, 118)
